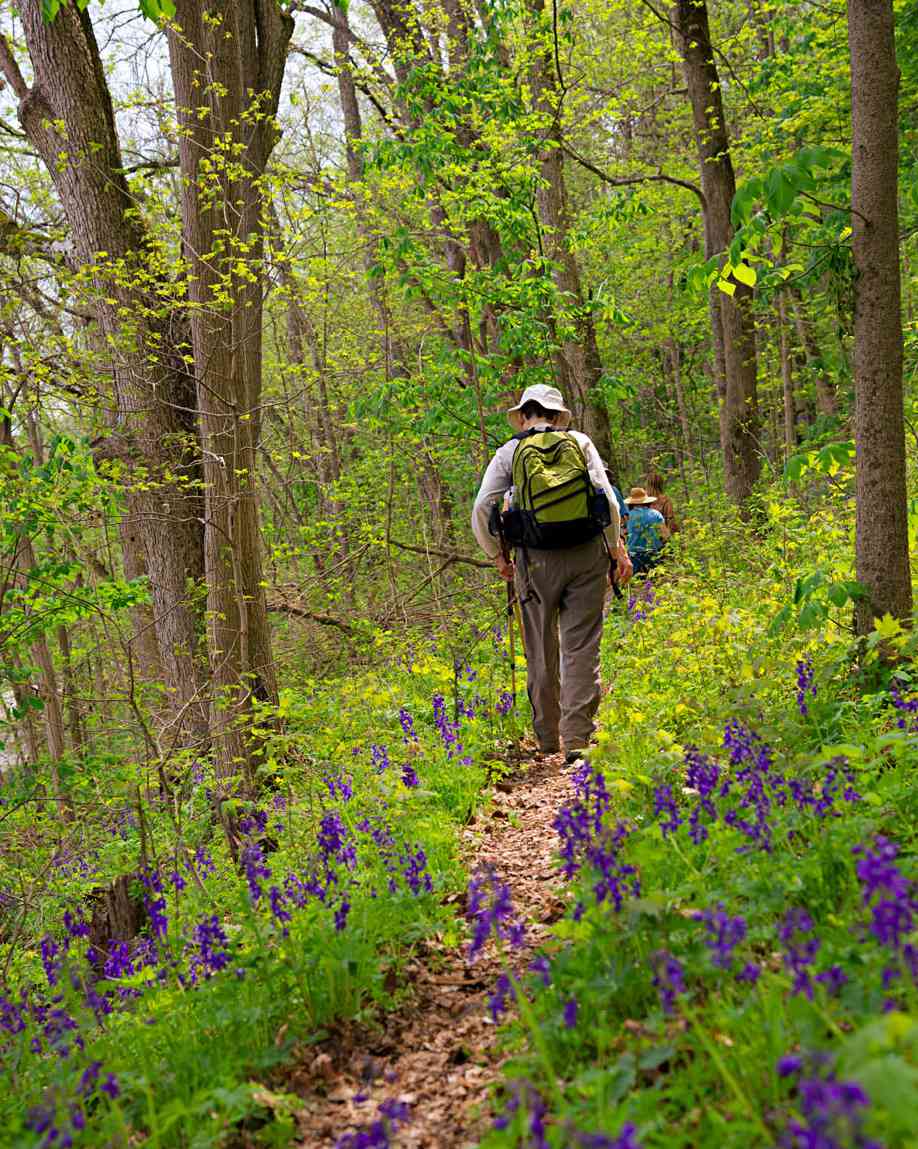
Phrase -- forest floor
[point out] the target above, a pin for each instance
(436, 1052)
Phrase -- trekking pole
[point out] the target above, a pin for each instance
(511, 603)
(510, 612)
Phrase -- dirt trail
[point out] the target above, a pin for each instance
(437, 1052)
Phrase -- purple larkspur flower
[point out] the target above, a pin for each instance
(75, 925)
(339, 785)
(379, 758)
(888, 894)
(407, 724)
(335, 841)
(702, 774)
(642, 601)
(907, 708)
(415, 871)
(154, 899)
(392, 1114)
(255, 868)
(833, 979)
(505, 703)
(490, 909)
(410, 777)
(51, 954)
(668, 978)
(626, 1139)
(806, 685)
(12, 1017)
(832, 1111)
(277, 900)
(542, 966)
(118, 964)
(341, 914)
(211, 948)
(449, 732)
(750, 973)
(801, 950)
(664, 803)
(569, 1013)
(497, 1001)
(587, 841)
(203, 862)
(724, 934)
(877, 871)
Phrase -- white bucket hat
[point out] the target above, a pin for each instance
(548, 398)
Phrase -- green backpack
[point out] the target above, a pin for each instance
(555, 504)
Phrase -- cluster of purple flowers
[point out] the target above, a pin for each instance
(585, 839)
(526, 1101)
(407, 724)
(379, 755)
(154, 900)
(61, 1122)
(392, 1115)
(745, 799)
(447, 729)
(399, 859)
(449, 732)
(626, 1139)
(907, 707)
(889, 896)
(642, 601)
(505, 703)
(724, 934)
(209, 953)
(342, 785)
(503, 992)
(490, 909)
(668, 978)
(665, 803)
(806, 684)
(800, 949)
(832, 1111)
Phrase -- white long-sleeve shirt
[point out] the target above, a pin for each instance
(498, 479)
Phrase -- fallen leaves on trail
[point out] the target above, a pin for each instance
(437, 1053)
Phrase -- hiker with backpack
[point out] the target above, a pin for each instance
(546, 498)
(647, 530)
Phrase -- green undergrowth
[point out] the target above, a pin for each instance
(738, 963)
(259, 930)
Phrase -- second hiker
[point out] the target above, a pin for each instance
(561, 522)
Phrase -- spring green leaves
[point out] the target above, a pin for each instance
(153, 9)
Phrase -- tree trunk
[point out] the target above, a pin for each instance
(578, 364)
(73, 713)
(826, 400)
(68, 117)
(226, 73)
(739, 424)
(882, 515)
(47, 689)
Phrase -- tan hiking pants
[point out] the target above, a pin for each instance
(561, 598)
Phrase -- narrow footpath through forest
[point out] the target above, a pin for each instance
(437, 1052)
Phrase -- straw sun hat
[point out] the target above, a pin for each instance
(548, 398)
(639, 497)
